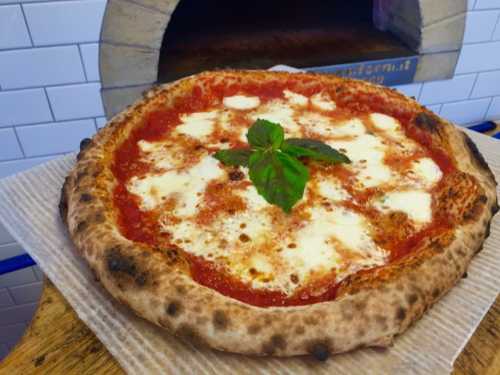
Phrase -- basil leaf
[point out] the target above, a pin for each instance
(313, 149)
(234, 157)
(278, 177)
(265, 134)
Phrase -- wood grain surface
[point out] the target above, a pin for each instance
(58, 342)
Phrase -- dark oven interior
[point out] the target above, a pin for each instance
(205, 35)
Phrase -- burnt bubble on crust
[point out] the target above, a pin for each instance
(478, 157)
(63, 202)
(119, 264)
(84, 144)
(320, 351)
(427, 121)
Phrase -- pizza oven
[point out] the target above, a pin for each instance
(385, 41)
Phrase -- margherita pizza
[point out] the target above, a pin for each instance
(343, 212)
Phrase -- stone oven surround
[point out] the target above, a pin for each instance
(132, 34)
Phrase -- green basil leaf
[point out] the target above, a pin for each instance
(237, 156)
(264, 134)
(313, 149)
(278, 177)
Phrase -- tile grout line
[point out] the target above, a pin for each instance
(53, 85)
(476, 78)
(27, 26)
(497, 24)
(43, 46)
(82, 62)
(488, 109)
(49, 104)
(19, 142)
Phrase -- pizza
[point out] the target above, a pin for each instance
(194, 245)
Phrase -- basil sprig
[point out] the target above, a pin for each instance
(274, 168)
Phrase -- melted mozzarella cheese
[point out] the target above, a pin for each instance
(317, 241)
(426, 172)
(185, 186)
(295, 99)
(161, 154)
(197, 125)
(367, 154)
(332, 190)
(279, 112)
(323, 102)
(384, 122)
(328, 237)
(350, 128)
(415, 203)
(241, 102)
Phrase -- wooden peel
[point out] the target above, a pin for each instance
(58, 342)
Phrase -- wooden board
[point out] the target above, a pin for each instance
(57, 342)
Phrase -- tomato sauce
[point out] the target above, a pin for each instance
(143, 227)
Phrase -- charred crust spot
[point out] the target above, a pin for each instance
(80, 175)
(190, 334)
(236, 175)
(63, 202)
(39, 360)
(411, 298)
(311, 321)
(253, 329)
(320, 351)
(81, 226)
(172, 255)
(117, 264)
(495, 208)
(99, 218)
(244, 237)
(173, 308)
(401, 313)
(427, 121)
(86, 197)
(300, 330)
(220, 320)
(464, 276)
(477, 155)
(435, 293)
(84, 143)
(141, 279)
(276, 342)
(180, 290)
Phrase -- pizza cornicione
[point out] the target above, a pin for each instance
(282, 214)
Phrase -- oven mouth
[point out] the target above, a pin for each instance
(298, 33)
(390, 42)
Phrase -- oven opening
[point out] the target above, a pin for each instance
(205, 35)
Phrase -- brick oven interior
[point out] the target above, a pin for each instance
(298, 33)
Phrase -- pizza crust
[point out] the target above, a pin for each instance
(156, 286)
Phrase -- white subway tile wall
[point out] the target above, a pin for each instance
(55, 137)
(65, 22)
(49, 100)
(76, 101)
(13, 30)
(494, 110)
(20, 107)
(9, 146)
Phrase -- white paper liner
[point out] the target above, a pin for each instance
(29, 211)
